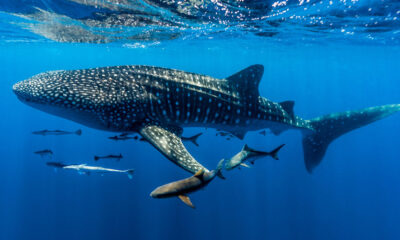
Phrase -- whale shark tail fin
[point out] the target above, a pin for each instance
(329, 127)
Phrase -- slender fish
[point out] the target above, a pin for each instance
(183, 187)
(44, 153)
(248, 153)
(56, 132)
(116, 157)
(85, 169)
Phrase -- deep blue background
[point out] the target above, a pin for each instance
(353, 194)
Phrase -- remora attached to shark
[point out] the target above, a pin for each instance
(158, 102)
(185, 186)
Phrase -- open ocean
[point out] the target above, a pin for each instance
(327, 56)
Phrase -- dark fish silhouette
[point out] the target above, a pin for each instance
(117, 157)
(85, 169)
(125, 134)
(56, 164)
(56, 132)
(44, 153)
(119, 138)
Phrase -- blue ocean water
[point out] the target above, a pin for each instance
(353, 194)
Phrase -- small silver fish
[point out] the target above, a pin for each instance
(85, 169)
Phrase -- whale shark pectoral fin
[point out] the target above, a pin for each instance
(186, 200)
(171, 146)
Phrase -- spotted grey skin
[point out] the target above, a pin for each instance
(158, 102)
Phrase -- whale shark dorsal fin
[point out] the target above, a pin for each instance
(288, 107)
(186, 200)
(247, 80)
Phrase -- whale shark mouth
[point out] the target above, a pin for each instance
(27, 91)
(19, 91)
(43, 93)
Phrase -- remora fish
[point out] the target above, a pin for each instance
(117, 157)
(44, 153)
(223, 134)
(121, 138)
(56, 164)
(56, 132)
(188, 185)
(124, 134)
(248, 153)
(158, 102)
(85, 169)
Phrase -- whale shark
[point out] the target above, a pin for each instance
(158, 103)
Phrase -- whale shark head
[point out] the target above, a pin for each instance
(49, 89)
(80, 95)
